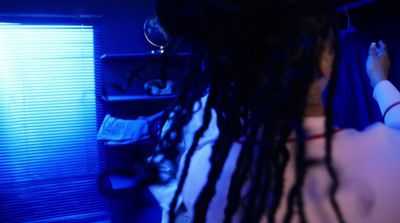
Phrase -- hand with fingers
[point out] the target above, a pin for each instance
(378, 63)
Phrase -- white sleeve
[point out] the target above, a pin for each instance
(387, 95)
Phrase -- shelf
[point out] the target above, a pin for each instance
(140, 55)
(113, 98)
(122, 182)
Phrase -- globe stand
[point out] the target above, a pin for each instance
(158, 52)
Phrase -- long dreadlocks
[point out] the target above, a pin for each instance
(258, 85)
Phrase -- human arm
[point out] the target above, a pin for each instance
(387, 95)
(378, 63)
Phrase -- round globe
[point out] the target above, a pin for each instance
(155, 34)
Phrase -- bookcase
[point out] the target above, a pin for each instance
(125, 97)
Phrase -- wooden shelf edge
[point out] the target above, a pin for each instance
(114, 98)
(140, 55)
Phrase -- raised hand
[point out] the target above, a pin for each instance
(378, 63)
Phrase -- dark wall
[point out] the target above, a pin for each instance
(121, 24)
(380, 19)
(49, 6)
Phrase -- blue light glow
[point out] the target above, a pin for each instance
(47, 101)
(48, 149)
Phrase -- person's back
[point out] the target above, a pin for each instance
(262, 147)
(367, 162)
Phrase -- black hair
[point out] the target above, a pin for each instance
(261, 58)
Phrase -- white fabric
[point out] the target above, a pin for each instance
(386, 94)
(116, 131)
(165, 193)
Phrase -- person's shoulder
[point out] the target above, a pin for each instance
(372, 134)
(372, 146)
(386, 136)
(376, 141)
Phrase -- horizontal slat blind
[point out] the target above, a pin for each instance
(49, 156)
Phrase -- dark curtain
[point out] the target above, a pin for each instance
(354, 106)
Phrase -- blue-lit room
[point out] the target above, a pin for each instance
(95, 126)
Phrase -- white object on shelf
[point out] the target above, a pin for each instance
(122, 131)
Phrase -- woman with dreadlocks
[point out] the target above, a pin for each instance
(260, 146)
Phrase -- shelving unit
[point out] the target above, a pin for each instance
(138, 69)
(127, 98)
(105, 57)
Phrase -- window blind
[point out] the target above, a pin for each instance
(49, 155)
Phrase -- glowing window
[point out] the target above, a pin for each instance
(49, 158)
